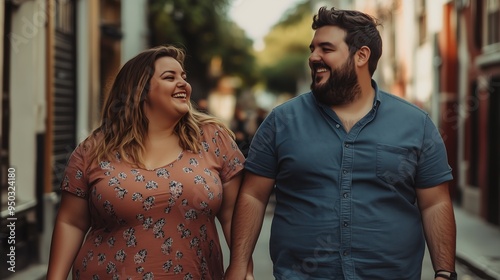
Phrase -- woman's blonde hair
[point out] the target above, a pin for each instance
(124, 125)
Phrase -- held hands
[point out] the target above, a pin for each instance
(240, 273)
(237, 272)
(249, 276)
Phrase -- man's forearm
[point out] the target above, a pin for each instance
(440, 231)
(246, 226)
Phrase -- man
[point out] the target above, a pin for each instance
(360, 175)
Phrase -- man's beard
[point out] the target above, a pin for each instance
(341, 87)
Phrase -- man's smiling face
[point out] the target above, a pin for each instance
(334, 78)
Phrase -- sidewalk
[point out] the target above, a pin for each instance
(478, 244)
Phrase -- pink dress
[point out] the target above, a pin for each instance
(154, 224)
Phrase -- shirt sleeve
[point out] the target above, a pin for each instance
(262, 159)
(75, 178)
(433, 167)
(231, 159)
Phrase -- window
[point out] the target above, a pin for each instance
(477, 13)
(474, 135)
(422, 22)
(492, 18)
(64, 118)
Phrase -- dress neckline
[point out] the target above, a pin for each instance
(179, 157)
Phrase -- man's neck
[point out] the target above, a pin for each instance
(351, 113)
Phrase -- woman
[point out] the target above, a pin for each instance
(148, 182)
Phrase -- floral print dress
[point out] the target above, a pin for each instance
(154, 224)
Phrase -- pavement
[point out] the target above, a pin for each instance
(478, 244)
(478, 248)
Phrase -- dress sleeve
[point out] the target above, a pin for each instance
(75, 178)
(226, 151)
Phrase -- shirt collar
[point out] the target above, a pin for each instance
(377, 100)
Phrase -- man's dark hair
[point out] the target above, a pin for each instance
(361, 31)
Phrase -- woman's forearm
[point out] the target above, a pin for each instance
(66, 242)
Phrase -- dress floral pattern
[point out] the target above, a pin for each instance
(154, 224)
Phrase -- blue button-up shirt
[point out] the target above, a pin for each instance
(346, 202)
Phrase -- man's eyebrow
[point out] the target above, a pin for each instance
(326, 44)
(323, 44)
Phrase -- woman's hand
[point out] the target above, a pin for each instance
(249, 275)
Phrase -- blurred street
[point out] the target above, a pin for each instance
(59, 58)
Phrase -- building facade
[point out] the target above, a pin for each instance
(444, 56)
(57, 58)
(478, 24)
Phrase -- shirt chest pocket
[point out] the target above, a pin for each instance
(396, 165)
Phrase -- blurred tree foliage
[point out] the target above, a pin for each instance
(205, 31)
(284, 59)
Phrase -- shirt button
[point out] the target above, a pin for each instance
(337, 126)
(346, 195)
(346, 145)
(344, 171)
(346, 224)
(345, 253)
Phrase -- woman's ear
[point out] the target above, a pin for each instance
(363, 56)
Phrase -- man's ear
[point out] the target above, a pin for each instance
(363, 55)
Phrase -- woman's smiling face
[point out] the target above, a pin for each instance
(169, 93)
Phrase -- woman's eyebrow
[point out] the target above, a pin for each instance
(167, 71)
(172, 72)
